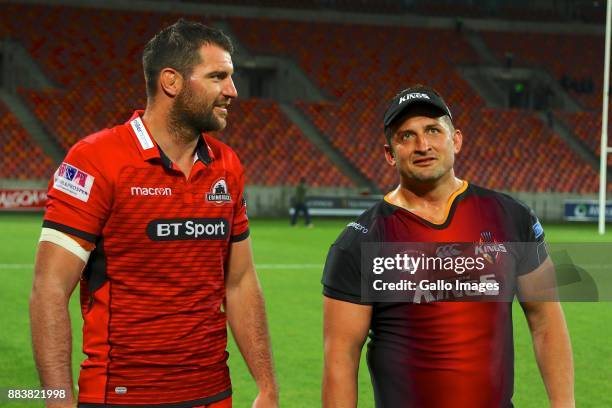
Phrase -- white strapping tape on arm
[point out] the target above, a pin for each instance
(66, 242)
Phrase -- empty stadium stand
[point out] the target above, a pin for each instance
(93, 56)
(21, 159)
(100, 83)
(572, 59)
(587, 126)
(88, 55)
(274, 149)
(514, 150)
(361, 75)
(518, 10)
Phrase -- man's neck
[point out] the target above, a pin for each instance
(427, 200)
(178, 144)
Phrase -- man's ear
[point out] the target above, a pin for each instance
(457, 140)
(390, 155)
(170, 81)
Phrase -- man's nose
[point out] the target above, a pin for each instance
(229, 89)
(421, 143)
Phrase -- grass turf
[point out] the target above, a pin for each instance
(293, 297)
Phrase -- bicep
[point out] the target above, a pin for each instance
(345, 323)
(538, 285)
(538, 295)
(239, 262)
(56, 270)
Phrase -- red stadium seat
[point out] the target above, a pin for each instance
(273, 149)
(359, 66)
(579, 57)
(22, 159)
(587, 126)
(362, 78)
(100, 82)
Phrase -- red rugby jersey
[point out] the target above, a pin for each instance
(425, 353)
(152, 291)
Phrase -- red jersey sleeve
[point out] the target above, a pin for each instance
(80, 194)
(240, 222)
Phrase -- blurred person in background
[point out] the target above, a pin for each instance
(300, 204)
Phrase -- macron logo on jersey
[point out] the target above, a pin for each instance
(73, 181)
(142, 134)
(151, 191)
(358, 227)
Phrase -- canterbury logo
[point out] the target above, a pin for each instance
(448, 251)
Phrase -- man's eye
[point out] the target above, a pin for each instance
(433, 130)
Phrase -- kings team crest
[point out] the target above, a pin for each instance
(488, 247)
(219, 193)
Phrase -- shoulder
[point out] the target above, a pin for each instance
(508, 202)
(112, 140)
(366, 228)
(342, 272)
(222, 152)
(516, 212)
(101, 153)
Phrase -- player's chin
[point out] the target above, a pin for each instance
(221, 122)
(425, 175)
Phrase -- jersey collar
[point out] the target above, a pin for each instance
(149, 149)
(451, 204)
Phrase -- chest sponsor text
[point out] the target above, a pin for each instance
(178, 229)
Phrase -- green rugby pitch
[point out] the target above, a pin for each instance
(289, 262)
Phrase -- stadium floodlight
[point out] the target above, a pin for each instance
(604, 149)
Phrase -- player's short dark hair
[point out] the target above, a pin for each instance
(390, 130)
(177, 47)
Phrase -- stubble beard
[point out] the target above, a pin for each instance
(427, 177)
(189, 118)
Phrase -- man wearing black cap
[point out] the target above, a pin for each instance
(432, 347)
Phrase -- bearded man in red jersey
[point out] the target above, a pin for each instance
(150, 217)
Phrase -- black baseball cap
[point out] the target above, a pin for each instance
(418, 95)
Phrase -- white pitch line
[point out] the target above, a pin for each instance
(288, 266)
(16, 266)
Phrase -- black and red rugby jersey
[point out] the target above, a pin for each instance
(152, 291)
(438, 354)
